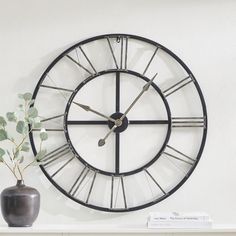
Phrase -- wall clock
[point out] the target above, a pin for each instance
(127, 121)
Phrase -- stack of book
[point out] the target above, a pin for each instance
(179, 220)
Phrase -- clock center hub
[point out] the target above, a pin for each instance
(121, 124)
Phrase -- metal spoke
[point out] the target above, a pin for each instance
(117, 91)
(87, 122)
(117, 154)
(148, 122)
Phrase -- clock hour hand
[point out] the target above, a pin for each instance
(101, 142)
(87, 108)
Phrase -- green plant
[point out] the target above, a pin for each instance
(14, 142)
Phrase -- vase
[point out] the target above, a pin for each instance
(20, 205)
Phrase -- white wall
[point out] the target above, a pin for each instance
(202, 33)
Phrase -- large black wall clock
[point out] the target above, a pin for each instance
(127, 122)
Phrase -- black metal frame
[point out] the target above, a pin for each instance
(158, 46)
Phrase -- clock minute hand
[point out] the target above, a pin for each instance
(102, 142)
(145, 88)
(88, 108)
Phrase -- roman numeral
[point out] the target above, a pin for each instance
(90, 63)
(62, 167)
(182, 83)
(123, 52)
(150, 61)
(79, 65)
(75, 187)
(91, 186)
(176, 154)
(154, 180)
(56, 154)
(112, 189)
(112, 52)
(123, 40)
(49, 130)
(187, 122)
(120, 181)
(52, 118)
(57, 88)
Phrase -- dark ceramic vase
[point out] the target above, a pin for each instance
(20, 205)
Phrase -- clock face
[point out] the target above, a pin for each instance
(127, 122)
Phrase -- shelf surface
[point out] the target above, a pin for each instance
(102, 229)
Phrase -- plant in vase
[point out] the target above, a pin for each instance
(20, 204)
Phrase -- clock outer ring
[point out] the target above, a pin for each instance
(139, 207)
(137, 169)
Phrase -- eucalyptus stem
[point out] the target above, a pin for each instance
(13, 172)
(19, 170)
(12, 141)
(28, 165)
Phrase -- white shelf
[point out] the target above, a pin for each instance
(106, 229)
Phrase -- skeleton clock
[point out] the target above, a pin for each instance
(127, 122)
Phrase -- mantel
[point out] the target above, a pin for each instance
(110, 229)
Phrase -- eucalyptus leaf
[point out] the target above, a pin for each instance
(3, 134)
(21, 96)
(37, 125)
(32, 112)
(41, 154)
(2, 152)
(21, 159)
(27, 96)
(11, 116)
(20, 127)
(29, 120)
(16, 154)
(1, 159)
(3, 122)
(43, 136)
(25, 147)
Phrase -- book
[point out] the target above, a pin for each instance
(179, 216)
(180, 225)
(178, 220)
